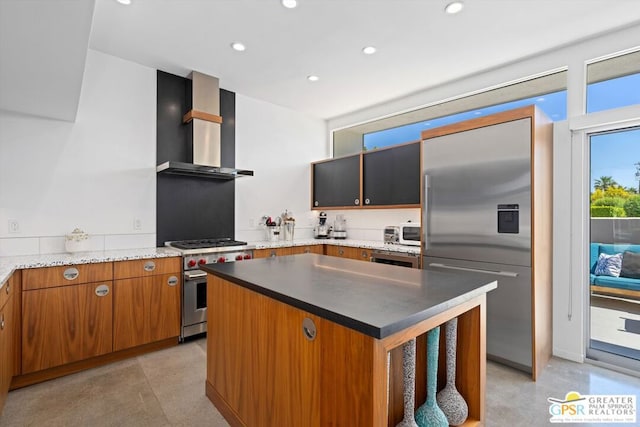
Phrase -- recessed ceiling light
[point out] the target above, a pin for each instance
(540, 99)
(289, 4)
(369, 50)
(454, 7)
(125, 2)
(313, 78)
(477, 113)
(238, 46)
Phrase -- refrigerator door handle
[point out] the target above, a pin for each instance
(426, 215)
(474, 270)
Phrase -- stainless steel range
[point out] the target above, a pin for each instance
(194, 289)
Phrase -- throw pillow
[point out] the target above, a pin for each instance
(630, 265)
(609, 265)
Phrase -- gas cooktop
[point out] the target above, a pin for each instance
(205, 243)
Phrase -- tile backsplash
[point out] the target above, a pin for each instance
(55, 244)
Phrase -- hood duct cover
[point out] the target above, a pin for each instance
(205, 120)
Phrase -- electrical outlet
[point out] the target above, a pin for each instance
(137, 224)
(14, 226)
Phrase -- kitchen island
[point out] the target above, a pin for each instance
(304, 340)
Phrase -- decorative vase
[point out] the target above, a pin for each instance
(449, 399)
(429, 414)
(409, 380)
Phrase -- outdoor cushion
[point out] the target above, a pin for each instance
(617, 248)
(595, 253)
(630, 265)
(609, 265)
(618, 282)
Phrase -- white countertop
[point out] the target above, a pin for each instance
(368, 244)
(9, 264)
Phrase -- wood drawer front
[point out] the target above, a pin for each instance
(51, 277)
(146, 267)
(6, 291)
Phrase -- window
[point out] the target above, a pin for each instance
(548, 92)
(614, 276)
(613, 83)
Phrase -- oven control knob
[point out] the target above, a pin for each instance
(192, 263)
(202, 261)
(238, 257)
(222, 259)
(247, 256)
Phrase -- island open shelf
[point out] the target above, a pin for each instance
(264, 368)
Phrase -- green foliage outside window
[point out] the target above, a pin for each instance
(607, 212)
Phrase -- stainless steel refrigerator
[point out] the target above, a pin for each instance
(477, 218)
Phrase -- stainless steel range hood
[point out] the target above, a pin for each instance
(205, 120)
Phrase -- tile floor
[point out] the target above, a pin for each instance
(166, 388)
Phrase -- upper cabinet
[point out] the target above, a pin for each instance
(388, 177)
(336, 183)
(391, 176)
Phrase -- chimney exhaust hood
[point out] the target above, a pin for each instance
(205, 120)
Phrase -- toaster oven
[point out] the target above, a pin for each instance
(409, 234)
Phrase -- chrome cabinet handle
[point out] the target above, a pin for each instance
(102, 290)
(149, 266)
(8, 286)
(273, 253)
(341, 251)
(71, 273)
(172, 281)
(367, 201)
(309, 329)
(365, 254)
(356, 202)
(316, 203)
(2, 322)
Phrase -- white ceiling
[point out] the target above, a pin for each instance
(419, 46)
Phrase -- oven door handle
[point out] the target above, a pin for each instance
(191, 276)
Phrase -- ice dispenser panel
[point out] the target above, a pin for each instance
(509, 219)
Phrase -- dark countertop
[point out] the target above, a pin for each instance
(375, 299)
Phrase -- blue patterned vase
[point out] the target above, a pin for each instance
(409, 374)
(429, 414)
(449, 399)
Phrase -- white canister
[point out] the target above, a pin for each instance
(273, 233)
(76, 241)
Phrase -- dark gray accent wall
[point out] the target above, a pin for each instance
(191, 207)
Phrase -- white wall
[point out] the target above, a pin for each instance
(97, 173)
(570, 300)
(278, 144)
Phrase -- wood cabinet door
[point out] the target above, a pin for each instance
(336, 182)
(7, 329)
(146, 309)
(65, 324)
(259, 360)
(164, 313)
(391, 176)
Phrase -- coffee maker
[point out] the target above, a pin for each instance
(339, 228)
(321, 231)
